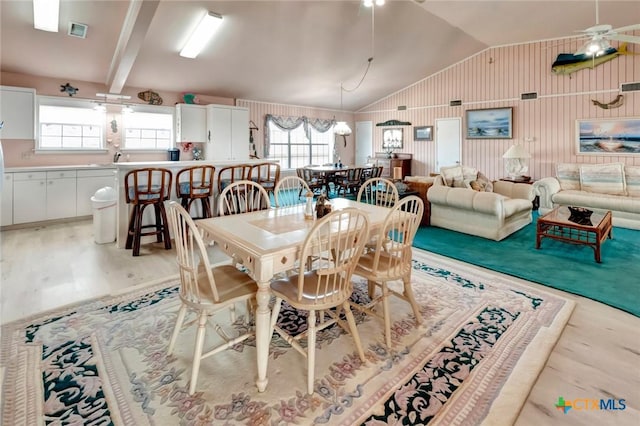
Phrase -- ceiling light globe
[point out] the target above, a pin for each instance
(342, 128)
(368, 3)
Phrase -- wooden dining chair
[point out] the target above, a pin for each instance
(378, 191)
(313, 180)
(242, 196)
(266, 174)
(204, 289)
(391, 261)
(230, 174)
(290, 191)
(335, 244)
(350, 182)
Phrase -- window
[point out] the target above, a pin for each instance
(144, 130)
(293, 149)
(69, 125)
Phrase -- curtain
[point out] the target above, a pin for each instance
(290, 123)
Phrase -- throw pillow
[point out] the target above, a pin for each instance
(603, 178)
(568, 174)
(451, 174)
(485, 183)
(476, 186)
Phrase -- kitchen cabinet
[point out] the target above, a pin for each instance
(17, 110)
(7, 200)
(191, 123)
(61, 194)
(87, 183)
(228, 133)
(29, 197)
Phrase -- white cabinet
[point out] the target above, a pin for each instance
(61, 194)
(191, 123)
(17, 110)
(7, 200)
(228, 137)
(29, 197)
(88, 182)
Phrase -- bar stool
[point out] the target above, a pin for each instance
(196, 183)
(145, 187)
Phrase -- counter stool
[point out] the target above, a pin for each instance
(145, 187)
(196, 183)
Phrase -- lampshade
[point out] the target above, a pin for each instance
(516, 151)
(342, 128)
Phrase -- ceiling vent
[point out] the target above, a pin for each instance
(530, 95)
(455, 103)
(402, 107)
(77, 30)
(630, 87)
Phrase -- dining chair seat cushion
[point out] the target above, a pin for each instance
(365, 266)
(287, 289)
(185, 188)
(230, 282)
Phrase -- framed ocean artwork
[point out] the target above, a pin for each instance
(491, 123)
(608, 136)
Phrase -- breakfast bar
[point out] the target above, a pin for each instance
(123, 168)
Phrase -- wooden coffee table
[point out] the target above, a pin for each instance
(556, 225)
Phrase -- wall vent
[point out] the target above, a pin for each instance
(530, 95)
(457, 102)
(402, 107)
(77, 30)
(630, 87)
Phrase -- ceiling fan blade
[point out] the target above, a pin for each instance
(624, 37)
(627, 28)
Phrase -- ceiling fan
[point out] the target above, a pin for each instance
(600, 34)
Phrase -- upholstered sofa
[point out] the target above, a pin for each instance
(599, 187)
(492, 210)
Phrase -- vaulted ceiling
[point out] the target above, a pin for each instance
(290, 52)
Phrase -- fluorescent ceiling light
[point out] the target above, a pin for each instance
(201, 36)
(45, 15)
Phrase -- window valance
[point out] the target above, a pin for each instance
(289, 123)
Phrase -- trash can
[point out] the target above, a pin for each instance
(104, 215)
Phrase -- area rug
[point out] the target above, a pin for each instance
(484, 340)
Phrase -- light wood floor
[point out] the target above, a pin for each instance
(598, 355)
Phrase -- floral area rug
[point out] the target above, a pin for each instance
(484, 340)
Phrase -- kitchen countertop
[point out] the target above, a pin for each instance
(70, 167)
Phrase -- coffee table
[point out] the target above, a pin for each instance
(556, 225)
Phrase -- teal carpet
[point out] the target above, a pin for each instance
(563, 266)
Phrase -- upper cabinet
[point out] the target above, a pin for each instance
(191, 123)
(17, 111)
(228, 137)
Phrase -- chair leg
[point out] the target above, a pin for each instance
(165, 226)
(354, 329)
(311, 350)
(159, 224)
(386, 315)
(274, 315)
(197, 352)
(176, 330)
(137, 231)
(408, 293)
(132, 222)
(371, 286)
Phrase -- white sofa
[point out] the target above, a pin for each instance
(599, 187)
(495, 212)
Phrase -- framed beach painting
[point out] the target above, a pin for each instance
(608, 136)
(491, 123)
(423, 133)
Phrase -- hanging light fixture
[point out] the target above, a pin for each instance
(342, 128)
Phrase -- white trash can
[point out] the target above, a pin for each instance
(104, 215)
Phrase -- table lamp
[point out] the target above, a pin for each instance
(515, 164)
(397, 173)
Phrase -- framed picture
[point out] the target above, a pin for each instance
(423, 133)
(608, 136)
(492, 123)
(392, 138)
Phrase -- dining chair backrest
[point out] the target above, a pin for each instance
(290, 191)
(230, 174)
(242, 196)
(332, 248)
(147, 185)
(378, 191)
(195, 182)
(191, 256)
(393, 253)
(266, 174)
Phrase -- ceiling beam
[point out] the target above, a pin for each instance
(134, 30)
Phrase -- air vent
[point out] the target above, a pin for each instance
(402, 107)
(77, 30)
(530, 95)
(455, 103)
(630, 87)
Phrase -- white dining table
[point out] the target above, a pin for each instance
(269, 242)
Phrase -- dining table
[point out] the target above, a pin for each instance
(267, 243)
(329, 174)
